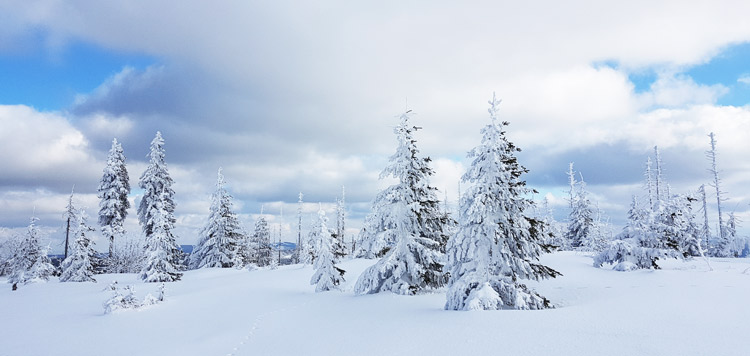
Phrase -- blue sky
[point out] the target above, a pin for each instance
(725, 68)
(50, 79)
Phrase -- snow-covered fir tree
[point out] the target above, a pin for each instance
(9, 247)
(738, 246)
(675, 227)
(79, 266)
(600, 234)
(262, 243)
(638, 224)
(29, 263)
(222, 241)
(71, 218)
(113, 194)
(412, 217)
(555, 237)
(156, 216)
(580, 220)
(339, 236)
(297, 254)
(327, 276)
(375, 238)
(497, 244)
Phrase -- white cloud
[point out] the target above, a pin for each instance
(744, 79)
(674, 91)
(300, 96)
(42, 147)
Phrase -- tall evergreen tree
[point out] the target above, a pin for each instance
(222, 240)
(297, 256)
(676, 228)
(638, 225)
(156, 215)
(79, 266)
(410, 213)
(71, 218)
(555, 236)
(497, 243)
(327, 276)
(262, 242)
(113, 194)
(29, 263)
(339, 236)
(581, 219)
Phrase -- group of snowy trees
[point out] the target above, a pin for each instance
(158, 261)
(483, 256)
(663, 225)
(666, 225)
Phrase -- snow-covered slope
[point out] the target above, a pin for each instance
(681, 310)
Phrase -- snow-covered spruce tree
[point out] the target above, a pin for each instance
(29, 262)
(497, 243)
(70, 217)
(581, 219)
(156, 216)
(296, 255)
(411, 215)
(571, 185)
(375, 237)
(222, 240)
(113, 194)
(675, 227)
(600, 234)
(9, 247)
(339, 236)
(737, 244)
(327, 276)
(262, 241)
(79, 266)
(554, 236)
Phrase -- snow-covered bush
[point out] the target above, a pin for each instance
(627, 255)
(124, 298)
(121, 299)
(127, 256)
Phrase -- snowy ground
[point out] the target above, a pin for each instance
(681, 310)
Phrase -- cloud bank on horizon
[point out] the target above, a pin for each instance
(289, 96)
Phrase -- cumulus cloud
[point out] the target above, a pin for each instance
(42, 149)
(744, 79)
(674, 91)
(303, 96)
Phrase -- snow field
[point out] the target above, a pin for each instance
(681, 310)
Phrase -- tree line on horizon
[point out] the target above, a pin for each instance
(480, 256)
